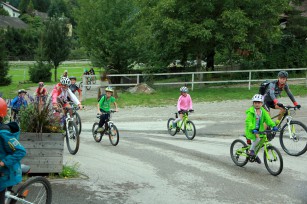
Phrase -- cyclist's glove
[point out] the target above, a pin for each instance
(280, 105)
(255, 131)
(275, 129)
(298, 106)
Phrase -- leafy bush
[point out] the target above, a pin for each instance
(40, 72)
(39, 120)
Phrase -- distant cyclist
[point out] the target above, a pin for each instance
(41, 93)
(74, 87)
(274, 90)
(184, 104)
(19, 102)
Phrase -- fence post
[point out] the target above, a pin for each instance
(306, 79)
(138, 78)
(24, 74)
(192, 81)
(84, 87)
(249, 80)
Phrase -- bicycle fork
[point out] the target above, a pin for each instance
(290, 129)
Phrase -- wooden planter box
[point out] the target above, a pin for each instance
(44, 151)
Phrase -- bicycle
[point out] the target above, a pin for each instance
(186, 125)
(76, 116)
(293, 134)
(88, 82)
(34, 190)
(239, 149)
(112, 131)
(71, 131)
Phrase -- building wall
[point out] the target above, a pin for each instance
(11, 12)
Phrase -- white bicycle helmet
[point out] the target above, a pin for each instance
(65, 81)
(257, 97)
(184, 89)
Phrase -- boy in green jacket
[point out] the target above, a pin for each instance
(256, 116)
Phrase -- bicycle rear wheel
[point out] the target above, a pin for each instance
(273, 161)
(297, 145)
(72, 137)
(77, 120)
(35, 190)
(190, 130)
(97, 135)
(238, 152)
(113, 134)
(171, 130)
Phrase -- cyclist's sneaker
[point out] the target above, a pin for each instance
(257, 159)
(100, 129)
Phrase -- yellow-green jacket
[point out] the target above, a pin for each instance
(250, 122)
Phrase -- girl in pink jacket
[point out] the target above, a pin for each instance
(184, 104)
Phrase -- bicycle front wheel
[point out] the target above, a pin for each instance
(88, 83)
(72, 138)
(273, 160)
(171, 130)
(96, 135)
(190, 130)
(113, 134)
(293, 138)
(238, 152)
(77, 120)
(34, 190)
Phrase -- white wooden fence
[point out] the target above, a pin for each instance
(192, 80)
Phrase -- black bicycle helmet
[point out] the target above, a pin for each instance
(73, 77)
(283, 74)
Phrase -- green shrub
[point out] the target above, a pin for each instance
(70, 171)
(40, 72)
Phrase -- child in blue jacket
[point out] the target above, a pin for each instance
(11, 152)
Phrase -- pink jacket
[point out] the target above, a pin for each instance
(184, 103)
(61, 93)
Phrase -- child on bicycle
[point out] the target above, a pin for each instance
(41, 93)
(184, 104)
(256, 116)
(18, 102)
(104, 106)
(11, 152)
(74, 87)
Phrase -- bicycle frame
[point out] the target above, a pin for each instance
(183, 121)
(8, 196)
(288, 118)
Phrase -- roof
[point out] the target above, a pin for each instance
(7, 21)
(10, 6)
(43, 15)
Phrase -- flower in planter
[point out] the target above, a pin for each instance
(39, 120)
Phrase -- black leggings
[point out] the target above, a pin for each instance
(103, 118)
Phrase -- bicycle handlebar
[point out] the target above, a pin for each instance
(287, 107)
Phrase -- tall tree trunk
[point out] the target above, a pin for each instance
(210, 60)
(55, 73)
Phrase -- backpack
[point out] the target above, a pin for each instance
(263, 87)
(102, 95)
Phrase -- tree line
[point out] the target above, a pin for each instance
(115, 34)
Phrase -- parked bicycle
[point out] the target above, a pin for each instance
(88, 83)
(186, 125)
(76, 116)
(293, 134)
(33, 191)
(272, 158)
(71, 130)
(112, 131)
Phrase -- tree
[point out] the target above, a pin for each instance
(4, 12)
(56, 43)
(105, 28)
(4, 67)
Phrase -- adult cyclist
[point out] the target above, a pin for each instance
(274, 90)
(60, 93)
